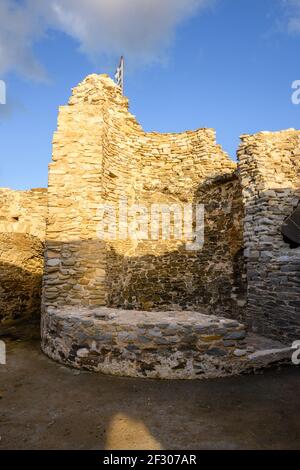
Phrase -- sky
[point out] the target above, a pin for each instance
(225, 64)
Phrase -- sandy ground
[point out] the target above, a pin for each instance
(44, 405)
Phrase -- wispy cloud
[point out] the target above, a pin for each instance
(141, 29)
(293, 15)
(18, 32)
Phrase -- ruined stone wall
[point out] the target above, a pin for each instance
(89, 165)
(160, 275)
(22, 234)
(23, 211)
(101, 154)
(270, 174)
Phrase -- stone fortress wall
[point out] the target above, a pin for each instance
(269, 165)
(101, 154)
(244, 271)
(22, 235)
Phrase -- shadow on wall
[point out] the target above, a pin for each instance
(273, 265)
(147, 282)
(211, 280)
(212, 289)
(20, 292)
(21, 268)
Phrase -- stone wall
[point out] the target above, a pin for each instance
(164, 345)
(22, 234)
(157, 275)
(270, 172)
(23, 211)
(101, 155)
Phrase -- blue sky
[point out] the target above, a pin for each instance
(228, 65)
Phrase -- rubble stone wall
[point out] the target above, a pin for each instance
(157, 275)
(102, 155)
(270, 173)
(165, 345)
(22, 234)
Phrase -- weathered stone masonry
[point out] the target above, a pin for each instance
(22, 235)
(100, 153)
(166, 304)
(269, 166)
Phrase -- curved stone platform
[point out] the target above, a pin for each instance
(167, 345)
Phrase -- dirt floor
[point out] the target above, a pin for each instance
(44, 405)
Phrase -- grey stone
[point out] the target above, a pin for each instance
(235, 335)
(216, 352)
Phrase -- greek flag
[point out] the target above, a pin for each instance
(119, 75)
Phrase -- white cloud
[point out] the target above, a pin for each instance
(141, 29)
(293, 15)
(18, 32)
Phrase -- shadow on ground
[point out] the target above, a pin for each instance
(44, 405)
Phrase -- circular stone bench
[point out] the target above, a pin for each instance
(169, 345)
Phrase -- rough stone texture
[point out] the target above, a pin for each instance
(212, 278)
(165, 345)
(100, 153)
(23, 211)
(269, 166)
(22, 233)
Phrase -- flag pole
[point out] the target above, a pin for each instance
(122, 74)
(119, 75)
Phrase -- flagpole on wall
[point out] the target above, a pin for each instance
(119, 75)
(122, 83)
